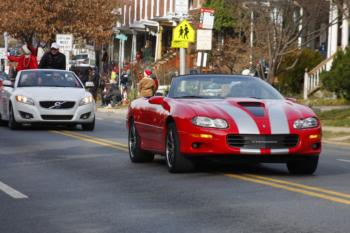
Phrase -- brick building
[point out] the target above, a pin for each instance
(151, 22)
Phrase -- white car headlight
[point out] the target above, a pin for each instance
(310, 122)
(24, 99)
(86, 100)
(209, 122)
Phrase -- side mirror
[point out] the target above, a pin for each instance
(7, 83)
(89, 84)
(294, 100)
(156, 100)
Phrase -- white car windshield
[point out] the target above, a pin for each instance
(221, 86)
(45, 78)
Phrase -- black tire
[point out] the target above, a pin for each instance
(305, 166)
(13, 124)
(176, 162)
(136, 154)
(2, 122)
(89, 126)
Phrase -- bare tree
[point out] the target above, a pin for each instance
(281, 27)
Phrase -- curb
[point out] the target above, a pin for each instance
(112, 110)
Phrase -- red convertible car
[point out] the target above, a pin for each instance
(223, 116)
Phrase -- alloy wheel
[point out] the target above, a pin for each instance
(132, 141)
(170, 149)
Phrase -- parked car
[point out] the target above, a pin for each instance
(247, 119)
(46, 96)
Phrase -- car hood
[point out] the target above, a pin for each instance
(52, 93)
(251, 115)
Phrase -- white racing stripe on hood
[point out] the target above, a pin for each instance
(278, 118)
(244, 122)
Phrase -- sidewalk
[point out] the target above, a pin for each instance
(336, 135)
(117, 109)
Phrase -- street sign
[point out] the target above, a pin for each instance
(181, 7)
(65, 41)
(179, 44)
(206, 20)
(121, 36)
(184, 32)
(204, 39)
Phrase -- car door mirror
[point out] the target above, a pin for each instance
(8, 83)
(89, 84)
(156, 100)
(294, 100)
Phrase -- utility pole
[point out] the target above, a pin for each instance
(182, 57)
(6, 50)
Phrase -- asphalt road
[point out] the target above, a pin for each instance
(56, 180)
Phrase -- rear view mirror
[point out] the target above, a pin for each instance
(7, 83)
(156, 100)
(292, 99)
(89, 84)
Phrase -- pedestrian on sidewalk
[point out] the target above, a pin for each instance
(104, 61)
(26, 61)
(147, 86)
(53, 59)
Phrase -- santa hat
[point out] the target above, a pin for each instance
(26, 50)
(148, 72)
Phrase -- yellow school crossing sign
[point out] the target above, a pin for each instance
(179, 44)
(184, 32)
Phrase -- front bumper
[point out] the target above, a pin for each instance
(214, 143)
(25, 113)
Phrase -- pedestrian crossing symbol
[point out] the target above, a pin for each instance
(184, 32)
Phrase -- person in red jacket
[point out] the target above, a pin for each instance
(25, 61)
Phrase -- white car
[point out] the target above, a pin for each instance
(46, 96)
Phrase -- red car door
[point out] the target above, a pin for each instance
(157, 116)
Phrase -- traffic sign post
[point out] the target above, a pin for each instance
(179, 44)
(206, 20)
(121, 37)
(204, 39)
(183, 34)
(65, 42)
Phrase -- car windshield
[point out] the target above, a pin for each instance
(40, 78)
(221, 86)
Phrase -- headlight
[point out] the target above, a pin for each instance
(210, 123)
(24, 100)
(310, 122)
(86, 100)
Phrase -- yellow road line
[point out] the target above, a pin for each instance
(91, 140)
(276, 183)
(96, 138)
(327, 191)
(285, 187)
